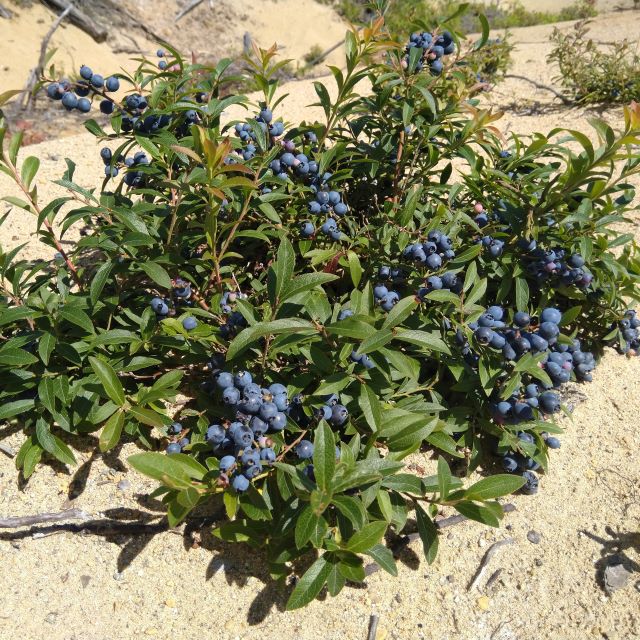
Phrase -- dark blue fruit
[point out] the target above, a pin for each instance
(304, 449)
(531, 485)
(189, 323)
(174, 447)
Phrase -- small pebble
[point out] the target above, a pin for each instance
(534, 537)
(124, 485)
(85, 580)
(483, 603)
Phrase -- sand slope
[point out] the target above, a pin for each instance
(77, 587)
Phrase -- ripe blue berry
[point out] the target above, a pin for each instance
(304, 449)
(189, 323)
(243, 436)
(278, 422)
(175, 428)
(551, 315)
(268, 455)
(483, 335)
(69, 100)
(339, 415)
(510, 464)
(231, 396)
(226, 463)
(86, 72)
(84, 105)
(549, 402)
(531, 485)
(240, 483)
(174, 447)
(307, 229)
(340, 209)
(215, 434)
(97, 81)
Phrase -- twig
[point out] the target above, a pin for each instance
(6, 449)
(190, 7)
(26, 521)
(5, 13)
(486, 560)
(36, 72)
(564, 99)
(373, 626)
(493, 577)
(81, 20)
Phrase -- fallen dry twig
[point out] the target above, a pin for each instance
(564, 99)
(373, 626)
(80, 19)
(486, 560)
(26, 521)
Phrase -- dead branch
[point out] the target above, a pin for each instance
(190, 7)
(37, 71)
(26, 521)
(373, 627)
(80, 19)
(486, 560)
(5, 13)
(564, 99)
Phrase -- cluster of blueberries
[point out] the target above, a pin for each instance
(242, 443)
(433, 252)
(434, 48)
(325, 202)
(555, 264)
(73, 95)
(111, 168)
(181, 296)
(629, 327)
(235, 321)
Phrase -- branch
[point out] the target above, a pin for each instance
(190, 7)
(26, 521)
(5, 13)
(486, 560)
(35, 74)
(564, 99)
(81, 20)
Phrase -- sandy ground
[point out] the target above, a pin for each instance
(75, 587)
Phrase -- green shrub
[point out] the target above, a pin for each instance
(212, 226)
(590, 73)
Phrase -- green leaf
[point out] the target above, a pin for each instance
(522, 294)
(76, 316)
(351, 508)
(111, 432)
(375, 341)
(10, 409)
(494, 487)
(305, 526)
(355, 268)
(98, 282)
(148, 417)
(305, 282)
(46, 346)
(281, 271)
(52, 444)
(310, 585)
(157, 273)
(16, 357)
(384, 558)
(400, 312)
(109, 380)
(367, 537)
(477, 512)
(46, 394)
(29, 169)
(173, 471)
(404, 482)
(423, 339)
(444, 478)
(324, 456)
(249, 335)
(371, 407)
(428, 534)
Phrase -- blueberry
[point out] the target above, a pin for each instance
(549, 330)
(549, 402)
(174, 447)
(323, 412)
(156, 304)
(434, 261)
(112, 83)
(242, 379)
(69, 100)
(328, 226)
(307, 229)
(189, 323)
(531, 391)
(531, 485)
(551, 315)
(483, 335)
(224, 380)
(304, 449)
(340, 209)
(268, 455)
(97, 81)
(498, 341)
(344, 314)
(335, 234)
(105, 154)
(510, 464)
(552, 442)
(496, 312)
(268, 410)
(242, 435)
(231, 396)
(281, 401)
(226, 463)
(53, 91)
(278, 422)
(84, 105)
(339, 415)
(449, 279)
(215, 434)
(86, 72)
(503, 408)
(258, 426)
(240, 483)
(175, 428)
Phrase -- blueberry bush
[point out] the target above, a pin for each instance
(591, 73)
(327, 298)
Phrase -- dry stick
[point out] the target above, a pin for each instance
(486, 560)
(7, 450)
(36, 72)
(26, 521)
(81, 20)
(373, 626)
(564, 99)
(190, 7)
(5, 13)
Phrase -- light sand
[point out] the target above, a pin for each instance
(68, 586)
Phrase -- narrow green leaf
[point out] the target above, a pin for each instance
(310, 585)
(371, 407)
(99, 280)
(494, 487)
(324, 456)
(428, 534)
(109, 380)
(76, 316)
(367, 537)
(384, 558)
(111, 432)
(157, 273)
